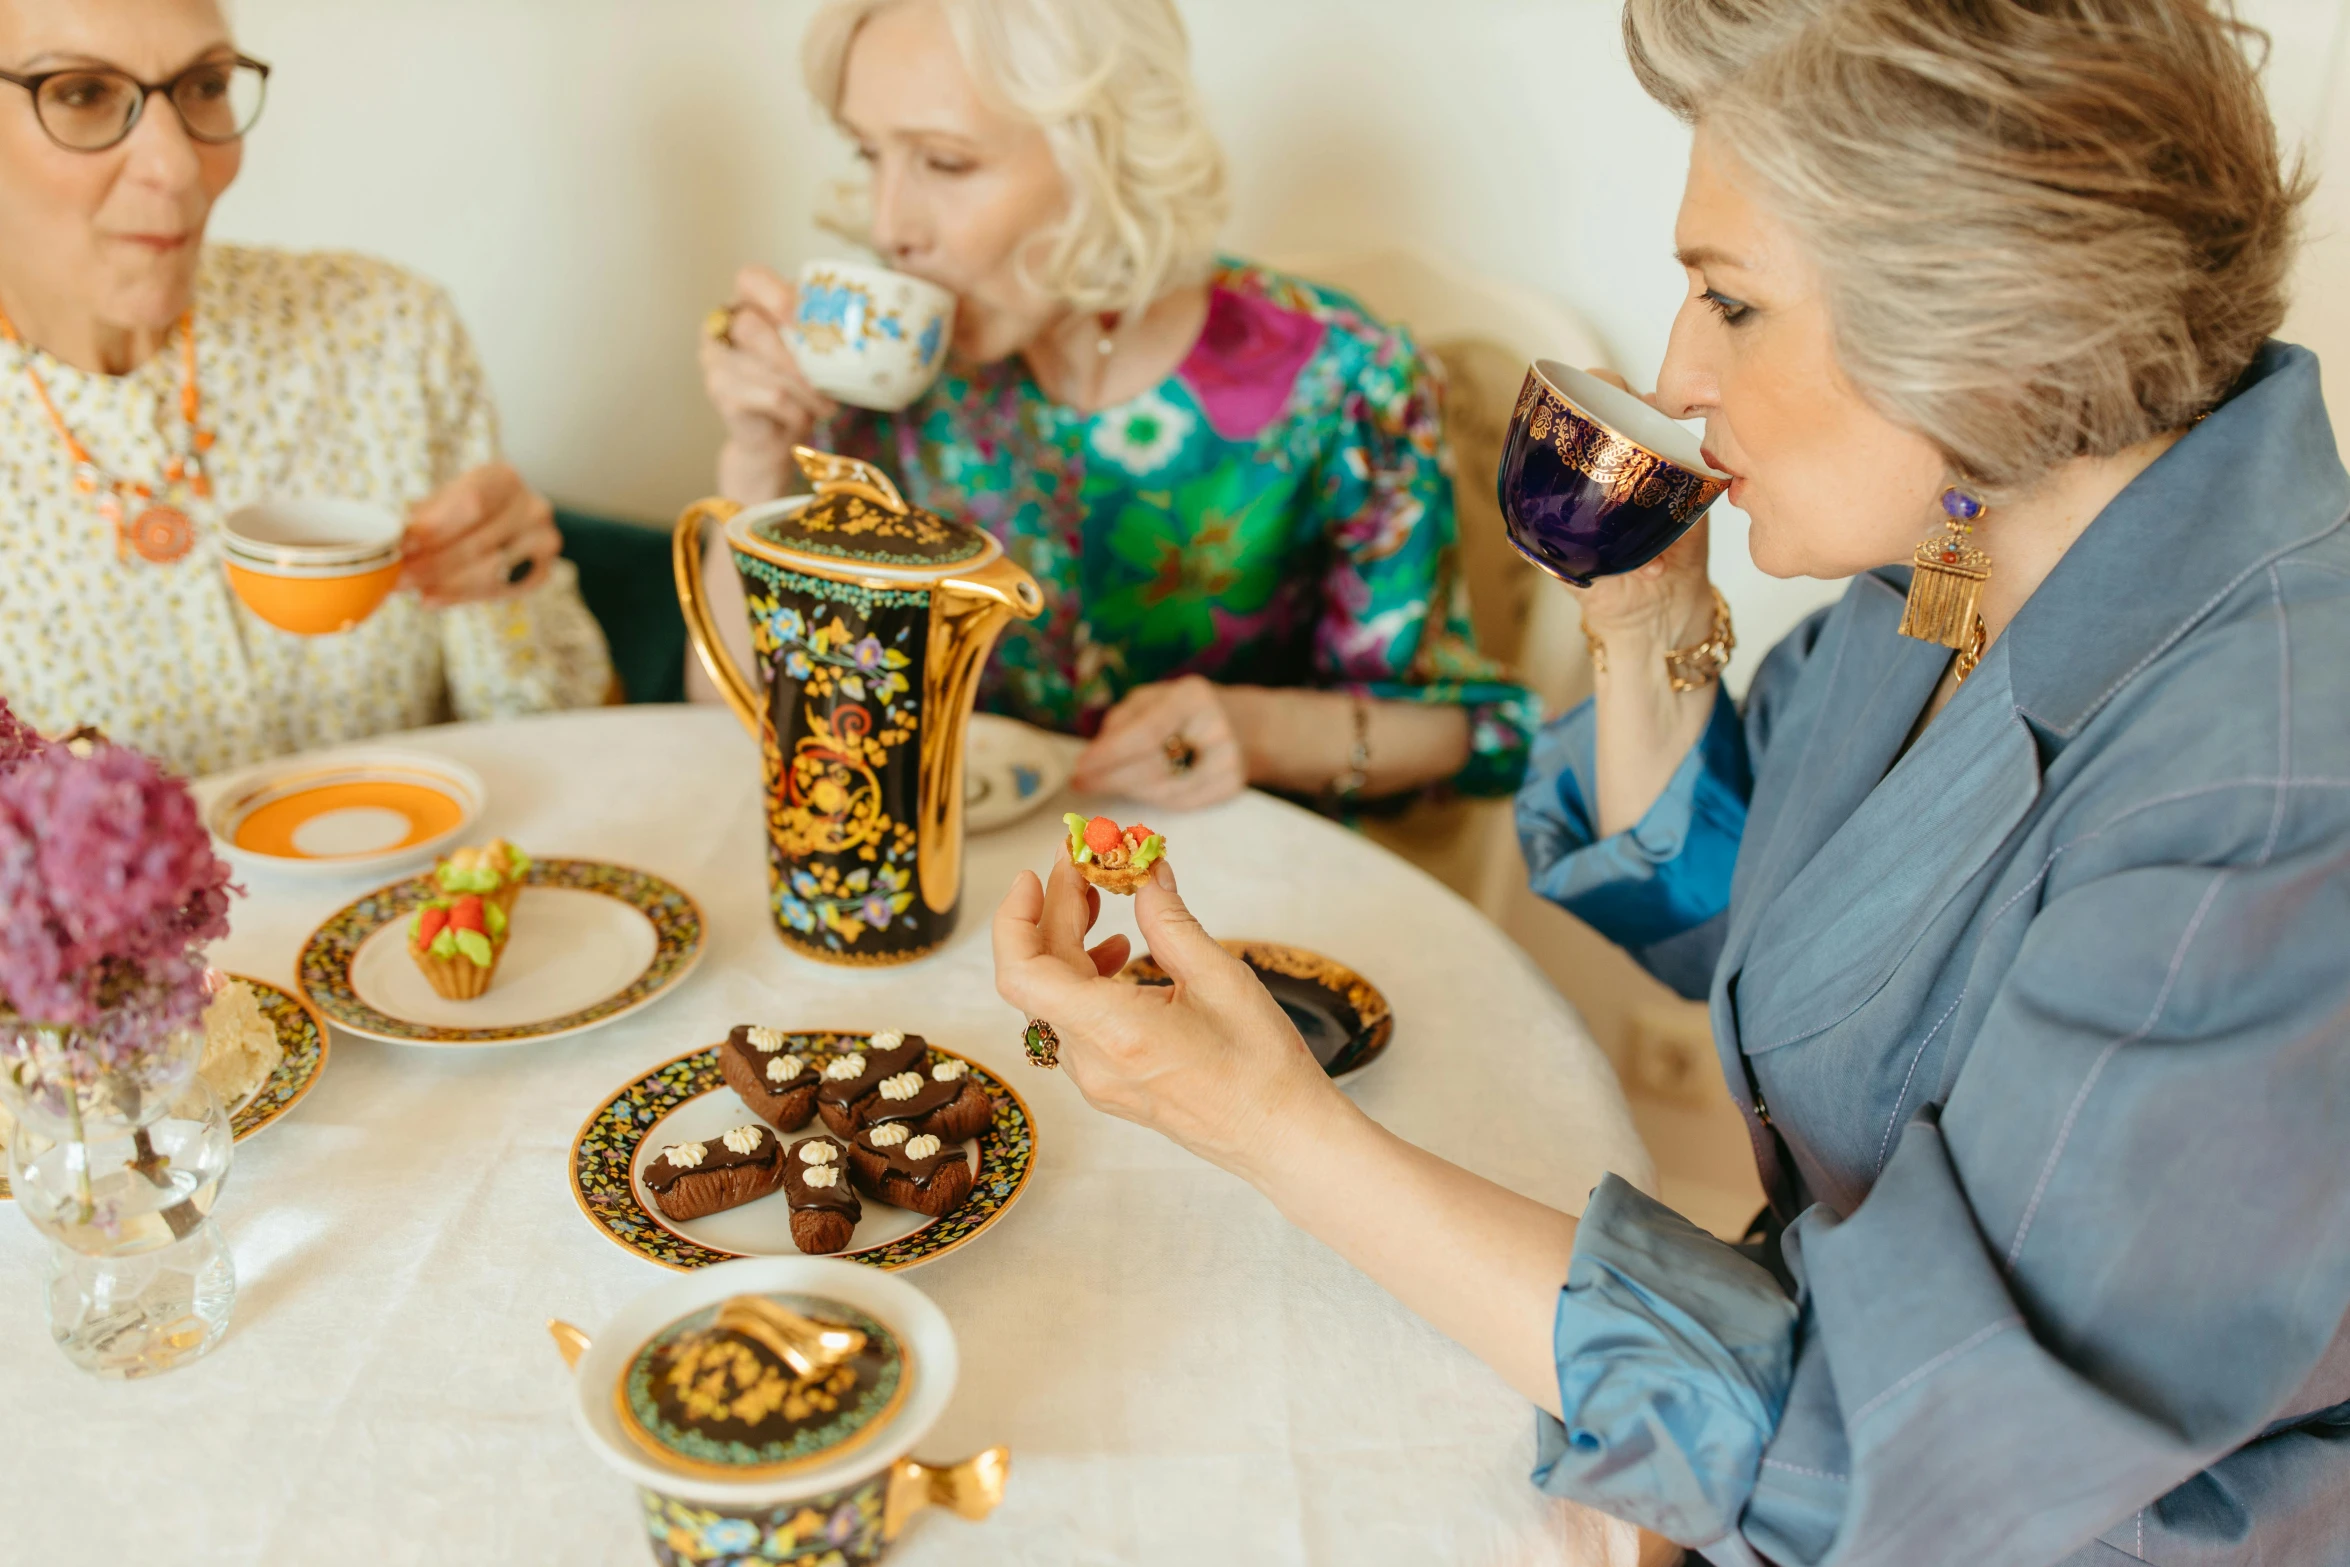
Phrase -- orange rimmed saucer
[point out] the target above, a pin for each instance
(343, 811)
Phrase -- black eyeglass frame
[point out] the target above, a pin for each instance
(34, 83)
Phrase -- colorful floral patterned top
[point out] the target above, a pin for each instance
(1277, 512)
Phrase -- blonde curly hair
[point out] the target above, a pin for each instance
(2047, 228)
(1109, 83)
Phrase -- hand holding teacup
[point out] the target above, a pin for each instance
(483, 535)
(764, 399)
(1603, 490)
(780, 357)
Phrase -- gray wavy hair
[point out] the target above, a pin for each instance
(2047, 228)
(1110, 84)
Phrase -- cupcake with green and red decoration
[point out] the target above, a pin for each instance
(493, 872)
(1114, 858)
(457, 943)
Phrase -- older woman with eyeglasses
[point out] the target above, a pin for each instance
(1232, 484)
(151, 383)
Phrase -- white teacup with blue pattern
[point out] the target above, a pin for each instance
(868, 336)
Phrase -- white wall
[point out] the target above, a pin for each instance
(585, 174)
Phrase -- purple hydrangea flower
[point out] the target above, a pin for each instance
(108, 883)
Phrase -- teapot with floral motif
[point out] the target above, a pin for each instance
(870, 621)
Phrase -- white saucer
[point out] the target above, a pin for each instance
(1009, 769)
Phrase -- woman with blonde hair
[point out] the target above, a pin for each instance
(1232, 484)
(152, 382)
(2019, 884)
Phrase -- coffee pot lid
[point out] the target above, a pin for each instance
(857, 518)
(762, 1385)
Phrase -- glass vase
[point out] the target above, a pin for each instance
(118, 1163)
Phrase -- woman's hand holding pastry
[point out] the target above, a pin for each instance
(1211, 1062)
(1172, 744)
(483, 535)
(767, 404)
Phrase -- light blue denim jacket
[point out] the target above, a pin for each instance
(2051, 1018)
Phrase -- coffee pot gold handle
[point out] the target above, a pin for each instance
(966, 613)
(686, 552)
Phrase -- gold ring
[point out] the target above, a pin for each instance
(718, 325)
(1180, 753)
(1041, 1043)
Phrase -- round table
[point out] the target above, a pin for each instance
(1181, 1376)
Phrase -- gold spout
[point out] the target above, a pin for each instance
(966, 614)
(570, 1340)
(973, 1488)
(694, 599)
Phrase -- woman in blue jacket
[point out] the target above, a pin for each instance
(2028, 945)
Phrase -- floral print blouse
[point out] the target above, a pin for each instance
(323, 374)
(1277, 512)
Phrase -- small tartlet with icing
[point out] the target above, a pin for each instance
(493, 871)
(456, 943)
(1113, 858)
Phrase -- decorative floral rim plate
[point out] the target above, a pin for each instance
(301, 1036)
(1346, 1022)
(324, 968)
(603, 1162)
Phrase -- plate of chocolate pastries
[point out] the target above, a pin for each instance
(876, 1147)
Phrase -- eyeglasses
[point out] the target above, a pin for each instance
(89, 108)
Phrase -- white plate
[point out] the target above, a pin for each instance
(567, 950)
(591, 942)
(1009, 769)
(343, 812)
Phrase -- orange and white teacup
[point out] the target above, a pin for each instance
(312, 567)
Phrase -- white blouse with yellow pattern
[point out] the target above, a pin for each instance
(323, 375)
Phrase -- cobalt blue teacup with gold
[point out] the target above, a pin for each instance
(1594, 482)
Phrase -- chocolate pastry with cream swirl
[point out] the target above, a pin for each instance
(909, 1169)
(824, 1205)
(852, 1080)
(776, 1081)
(693, 1180)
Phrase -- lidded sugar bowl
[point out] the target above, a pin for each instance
(767, 1410)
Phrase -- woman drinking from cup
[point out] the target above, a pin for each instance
(152, 385)
(1230, 483)
(2031, 970)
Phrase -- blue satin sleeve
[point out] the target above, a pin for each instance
(1675, 1352)
(1658, 889)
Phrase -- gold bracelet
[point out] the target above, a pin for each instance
(1690, 668)
(1347, 787)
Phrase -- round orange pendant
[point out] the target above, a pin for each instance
(160, 534)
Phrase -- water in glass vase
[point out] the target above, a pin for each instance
(140, 1279)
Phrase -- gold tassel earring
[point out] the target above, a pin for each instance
(1946, 585)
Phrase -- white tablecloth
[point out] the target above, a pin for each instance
(1181, 1376)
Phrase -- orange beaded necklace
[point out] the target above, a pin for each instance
(144, 526)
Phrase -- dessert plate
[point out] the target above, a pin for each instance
(687, 1100)
(1009, 769)
(351, 811)
(302, 1039)
(591, 942)
(1345, 1020)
